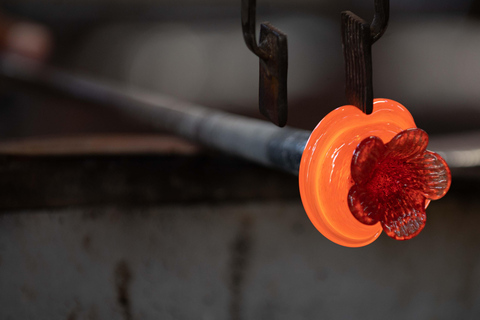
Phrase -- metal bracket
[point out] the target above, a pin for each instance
(358, 37)
(273, 54)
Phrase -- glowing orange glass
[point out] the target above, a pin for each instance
(324, 176)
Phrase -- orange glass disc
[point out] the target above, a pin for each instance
(324, 174)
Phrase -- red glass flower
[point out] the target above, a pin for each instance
(394, 182)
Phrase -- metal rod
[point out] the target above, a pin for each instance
(249, 138)
(252, 139)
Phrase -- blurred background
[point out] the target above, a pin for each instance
(104, 217)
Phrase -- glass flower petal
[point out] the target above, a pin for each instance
(435, 173)
(363, 207)
(407, 218)
(408, 143)
(366, 156)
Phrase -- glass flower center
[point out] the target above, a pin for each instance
(389, 179)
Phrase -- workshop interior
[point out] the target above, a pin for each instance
(150, 155)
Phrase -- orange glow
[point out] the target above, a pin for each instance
(324, 175)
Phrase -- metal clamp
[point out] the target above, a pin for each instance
(273, 53)
(358, 37)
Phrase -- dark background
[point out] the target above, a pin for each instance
(105, 218)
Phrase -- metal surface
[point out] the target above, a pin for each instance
(358, 37)
(273, 54)
(249, 138)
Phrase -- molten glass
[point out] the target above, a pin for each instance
(325, 170)
(393, 182)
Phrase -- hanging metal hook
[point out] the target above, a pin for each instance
(273, 54)
(358, 37)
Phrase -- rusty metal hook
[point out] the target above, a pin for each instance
(358, 37)
(273, 53)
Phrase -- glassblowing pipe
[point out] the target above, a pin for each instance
(252, 139)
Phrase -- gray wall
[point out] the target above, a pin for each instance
(249, 260)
